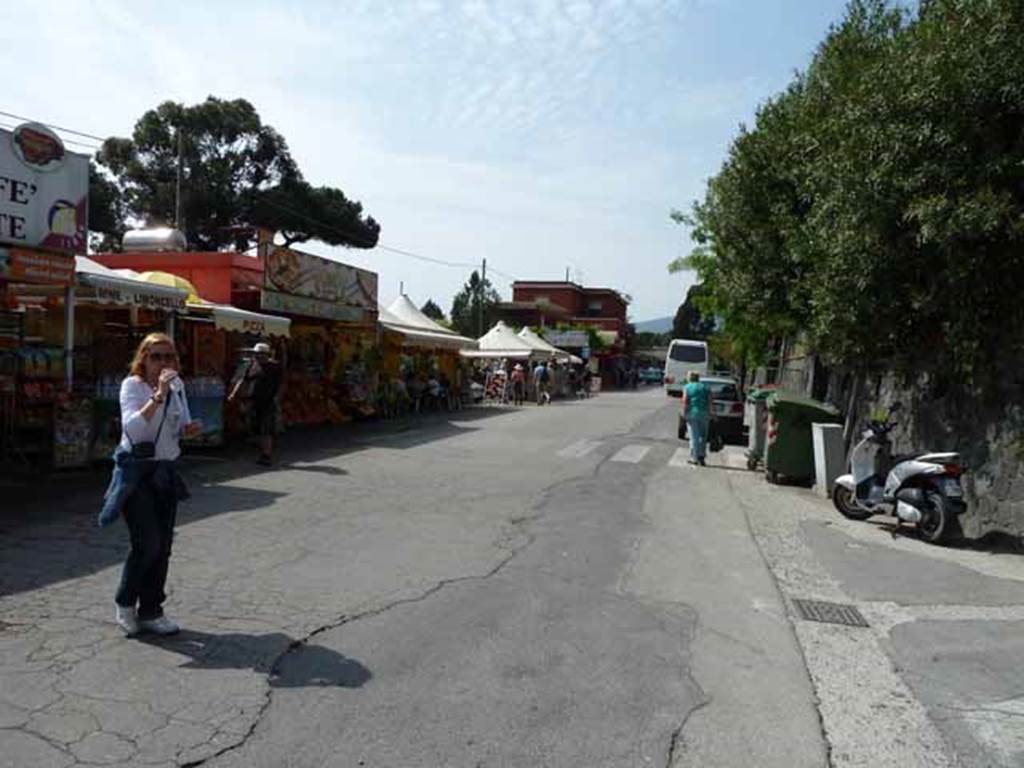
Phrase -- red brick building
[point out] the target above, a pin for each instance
(546, 304)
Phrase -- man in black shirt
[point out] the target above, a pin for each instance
(263, 377)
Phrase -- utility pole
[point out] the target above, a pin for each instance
(480, 300)
(567, 274)
(179, 221)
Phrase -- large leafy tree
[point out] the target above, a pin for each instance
(478, 300)
(106, 209)
(877, 204)
(237, 174)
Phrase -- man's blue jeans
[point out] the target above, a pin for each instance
(698, 429)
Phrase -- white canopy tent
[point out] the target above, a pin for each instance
(418, 330)
(502, 341)
(406, 313)
(529, 336)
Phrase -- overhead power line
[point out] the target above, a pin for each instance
(353, 236)
(72, 131)
(11, 127)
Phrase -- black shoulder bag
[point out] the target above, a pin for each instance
(147, 449)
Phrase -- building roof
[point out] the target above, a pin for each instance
(564, 284)
(552, 307)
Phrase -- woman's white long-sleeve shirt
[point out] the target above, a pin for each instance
(135, 393)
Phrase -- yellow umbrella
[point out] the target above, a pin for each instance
(173, 281)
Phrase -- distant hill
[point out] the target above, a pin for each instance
(660, 325)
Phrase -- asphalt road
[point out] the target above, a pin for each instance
(541, 587)
(551, 587)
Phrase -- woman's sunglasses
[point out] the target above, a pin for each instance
(158, 356)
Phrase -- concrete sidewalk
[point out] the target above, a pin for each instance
(935, 680)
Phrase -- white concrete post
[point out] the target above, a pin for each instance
(828, 456)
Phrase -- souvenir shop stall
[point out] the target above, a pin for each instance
(113, 311)
(33, 370)
(333, 359)
(498, 350)
(418, 351)
(43, 222)
(214, 342)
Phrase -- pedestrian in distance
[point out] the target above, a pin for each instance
(696, 408)
(145, 486)
(262, 380)
(518, 384)
(541, 380)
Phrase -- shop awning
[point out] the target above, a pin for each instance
(423, 336)
(228, 318)
(125, 288)
(415, 338)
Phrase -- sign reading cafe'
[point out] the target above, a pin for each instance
(44, 191)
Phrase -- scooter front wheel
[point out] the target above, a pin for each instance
(843, 500)
(938, 521)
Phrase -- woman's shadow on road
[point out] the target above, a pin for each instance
(287, 663)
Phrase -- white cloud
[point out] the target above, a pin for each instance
(539, 133)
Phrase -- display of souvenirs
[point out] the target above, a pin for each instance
(106, 418)
(42, 362)
(11, 329)
(206, 403)
(210, 350)
(305, 400)
(72, 432)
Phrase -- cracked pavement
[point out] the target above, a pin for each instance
(459, 592)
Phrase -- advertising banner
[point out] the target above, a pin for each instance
(44, 191)
(19, 265)
(563, 339)
(303, 284)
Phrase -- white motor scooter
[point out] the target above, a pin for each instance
(919, 488)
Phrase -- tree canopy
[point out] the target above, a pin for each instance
(690, 321)
(877, 204)
(477, 299)
(237, 174)
(432, 310)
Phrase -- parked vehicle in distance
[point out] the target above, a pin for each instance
(652, 375)
(727, 405)
(684, 356)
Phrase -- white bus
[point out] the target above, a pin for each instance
(684, 355)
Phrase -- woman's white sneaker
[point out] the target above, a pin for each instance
(159, 626)
(126, 619)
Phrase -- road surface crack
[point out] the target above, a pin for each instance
(341, 621)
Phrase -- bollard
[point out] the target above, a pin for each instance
(829, 460)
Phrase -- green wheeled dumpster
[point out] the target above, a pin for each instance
(789, 442)
(756, 418)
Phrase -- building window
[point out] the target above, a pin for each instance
(594, 306)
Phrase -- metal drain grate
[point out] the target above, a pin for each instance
(830, 613)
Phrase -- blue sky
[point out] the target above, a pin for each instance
(539, 134)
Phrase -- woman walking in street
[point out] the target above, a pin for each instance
(146, 487)
(696, 409)
(518, 384)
